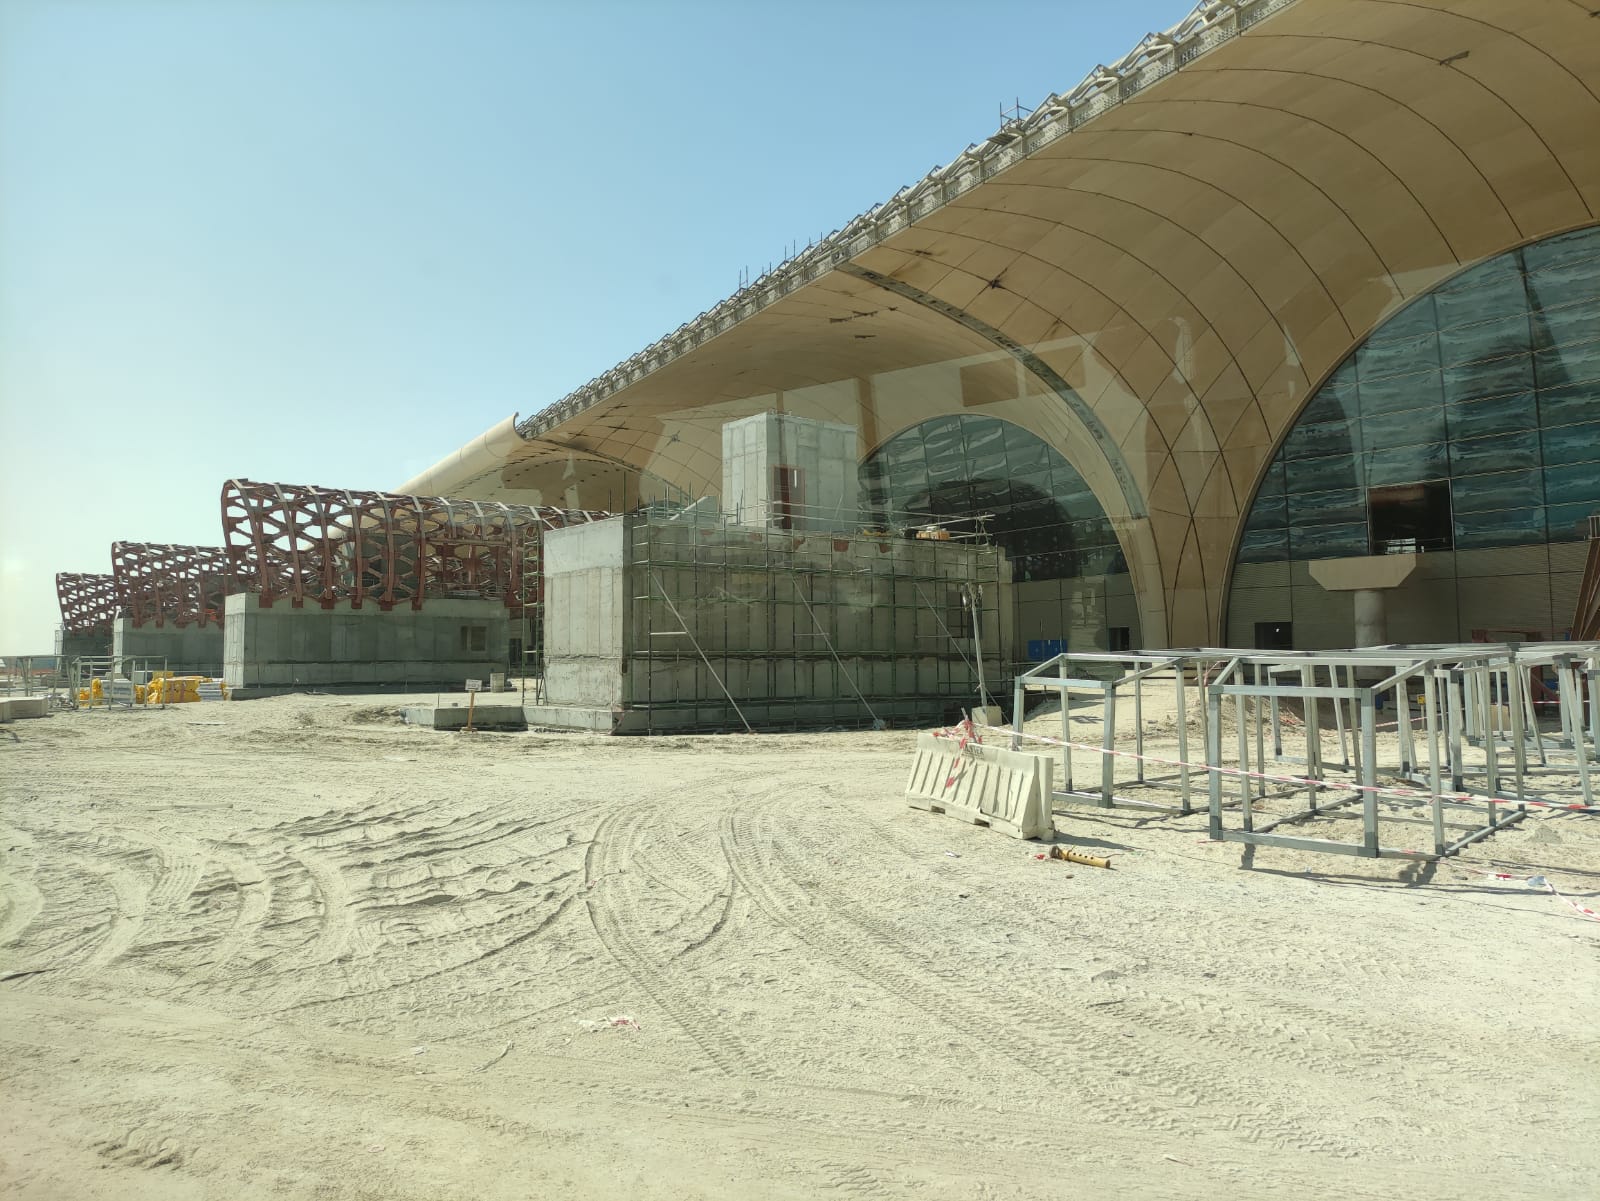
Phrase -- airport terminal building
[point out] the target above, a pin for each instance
(1297, 281)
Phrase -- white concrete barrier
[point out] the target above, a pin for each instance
(986, 785)
(14, 707)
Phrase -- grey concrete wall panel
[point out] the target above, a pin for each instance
(823, 453)
(82, 646)
(586, 604)
(285, 647)
(194, 649)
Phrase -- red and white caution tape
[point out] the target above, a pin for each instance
(1543, 885)
(963, 732)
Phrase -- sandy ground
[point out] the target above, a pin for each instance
(293, 948)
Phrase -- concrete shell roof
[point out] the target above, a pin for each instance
(1181, 250)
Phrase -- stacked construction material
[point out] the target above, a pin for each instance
(168, 689)
(163, 688)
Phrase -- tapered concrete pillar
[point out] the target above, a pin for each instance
(1369, 577)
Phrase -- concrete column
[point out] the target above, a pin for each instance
(1371, 617)
(1366, 578)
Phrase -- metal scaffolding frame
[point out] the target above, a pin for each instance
(1074, 674)
(1471, 751)
(116, 674)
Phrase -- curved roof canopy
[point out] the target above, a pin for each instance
(1172, 257)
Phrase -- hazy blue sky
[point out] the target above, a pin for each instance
(331, 242)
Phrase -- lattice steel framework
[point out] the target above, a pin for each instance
(88, 602)
(304, 543)
(159, 583)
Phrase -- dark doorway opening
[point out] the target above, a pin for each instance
(1275, 635)
(788, 497)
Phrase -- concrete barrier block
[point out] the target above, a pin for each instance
(1007, 790)
(14, 707)
(454, 717)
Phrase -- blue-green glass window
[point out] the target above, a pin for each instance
(1407, 464)
(1490, 383)
(1474, 455)
(1502, 527)
(1041, 511)
(1328, 508)
(1572, 361)
(1394, 393)
(1328, 541)
(1408, 427)
(1572, 444)
(1322, 475)
(1498, 490)
(1572, 483)
(1500, 415)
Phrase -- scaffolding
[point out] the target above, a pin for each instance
(734, 627)
(1107, 676)
(118, 677)
(1461, 740)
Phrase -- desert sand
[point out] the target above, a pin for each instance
(294, 948)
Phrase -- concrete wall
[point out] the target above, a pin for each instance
(285, 647)
(824, 452)
(797, 628)
(585, 602)
(1079, 612)
(81, 646)
(193, 650)
(1450, 594)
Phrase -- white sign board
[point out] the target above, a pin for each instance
(474, 685)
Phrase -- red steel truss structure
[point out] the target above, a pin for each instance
(88, 602)
(181, 585)
(303, 543)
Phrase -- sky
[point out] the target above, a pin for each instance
(330, 242)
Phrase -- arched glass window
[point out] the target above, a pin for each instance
(980, 472)
(1469, 420)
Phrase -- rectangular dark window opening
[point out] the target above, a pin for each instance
(474, 639)
(1275, 635)
(1119, 638)
(1409, 517)
(788, 497)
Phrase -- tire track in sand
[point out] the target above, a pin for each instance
(619, 922)
(21, 901)
(127, 917)
(1162, 1095)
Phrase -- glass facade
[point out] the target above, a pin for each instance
(972, 472)
(1470, 419)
